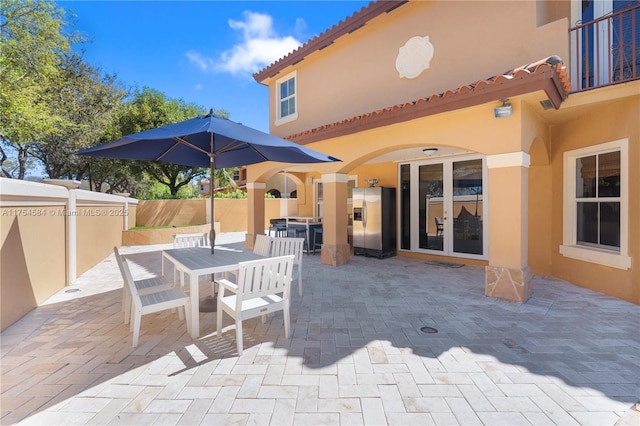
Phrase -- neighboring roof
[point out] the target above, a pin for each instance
(323, 40)
(548, 75)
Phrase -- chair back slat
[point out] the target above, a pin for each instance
(285, 246)
(190, 240)
(260, 278)
(127, 277)
(262, 245)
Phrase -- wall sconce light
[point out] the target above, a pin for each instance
(430, 152)
(504, 110)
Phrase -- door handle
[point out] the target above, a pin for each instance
(364, 213)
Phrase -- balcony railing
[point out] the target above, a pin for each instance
(606, 50)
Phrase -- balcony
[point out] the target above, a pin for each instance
(606, 51)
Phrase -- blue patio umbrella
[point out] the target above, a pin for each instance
(207, 141)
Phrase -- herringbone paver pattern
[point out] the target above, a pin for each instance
(357, 356)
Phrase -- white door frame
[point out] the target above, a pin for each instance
(448, 233)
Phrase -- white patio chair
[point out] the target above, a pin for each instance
(199, 239)
(294, 246)
(147, 285)
(262, 245)
(148, 300)
(262, 287)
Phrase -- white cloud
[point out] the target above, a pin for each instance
(260, 46)
(256, 53)
(255, 25)
(301, 26)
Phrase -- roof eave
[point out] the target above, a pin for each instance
(547, 80)
(349, 25)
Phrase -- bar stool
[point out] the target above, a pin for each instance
(299, 233)
(279, 227)
(317, 239)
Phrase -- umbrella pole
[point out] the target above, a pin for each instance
(208, 304)
(212, 234)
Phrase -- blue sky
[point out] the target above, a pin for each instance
(202, 52)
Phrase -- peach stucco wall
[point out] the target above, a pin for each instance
(135, 237)
(358, 73)
(37, 254)
(171, 212)
(32, 257)
(230, 213)
(387, 173)
(609, 122)
(97, 223)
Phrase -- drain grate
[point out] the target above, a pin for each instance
(428, 330)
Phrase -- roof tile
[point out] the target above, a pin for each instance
(547, 74)
(349, 25)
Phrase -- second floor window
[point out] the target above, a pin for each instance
(286, 104)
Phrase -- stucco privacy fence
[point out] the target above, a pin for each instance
(52, 232)
(231, 216)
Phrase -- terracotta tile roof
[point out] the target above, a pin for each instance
(349, 25)
(548, 75)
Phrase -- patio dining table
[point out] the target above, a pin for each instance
(198, 261)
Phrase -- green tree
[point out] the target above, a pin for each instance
(113, 175)
(223, 178)
(157, 191)
(88, 101)
(150, 109)
(32, 45)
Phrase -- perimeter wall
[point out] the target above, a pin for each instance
(50, 233)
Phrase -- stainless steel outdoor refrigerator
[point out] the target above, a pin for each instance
(374, 221)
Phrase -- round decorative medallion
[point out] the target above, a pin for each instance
(414, 57)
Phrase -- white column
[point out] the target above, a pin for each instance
(125, 215)
(72, 237)
(71, 214)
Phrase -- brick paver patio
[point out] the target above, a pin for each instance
(357, 355)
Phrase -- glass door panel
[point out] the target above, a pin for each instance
(467, 207)
(405, 207)
(431, 207)
(441, 207)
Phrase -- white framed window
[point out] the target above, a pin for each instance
(286, 99)
(596, 199)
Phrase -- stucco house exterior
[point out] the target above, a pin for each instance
(510, 133)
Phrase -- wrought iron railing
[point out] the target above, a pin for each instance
(606, 50)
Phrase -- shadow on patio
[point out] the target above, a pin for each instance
(357, 354)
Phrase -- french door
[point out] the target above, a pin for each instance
(442, 209)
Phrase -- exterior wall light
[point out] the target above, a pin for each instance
(504, 110)
(546, 104)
